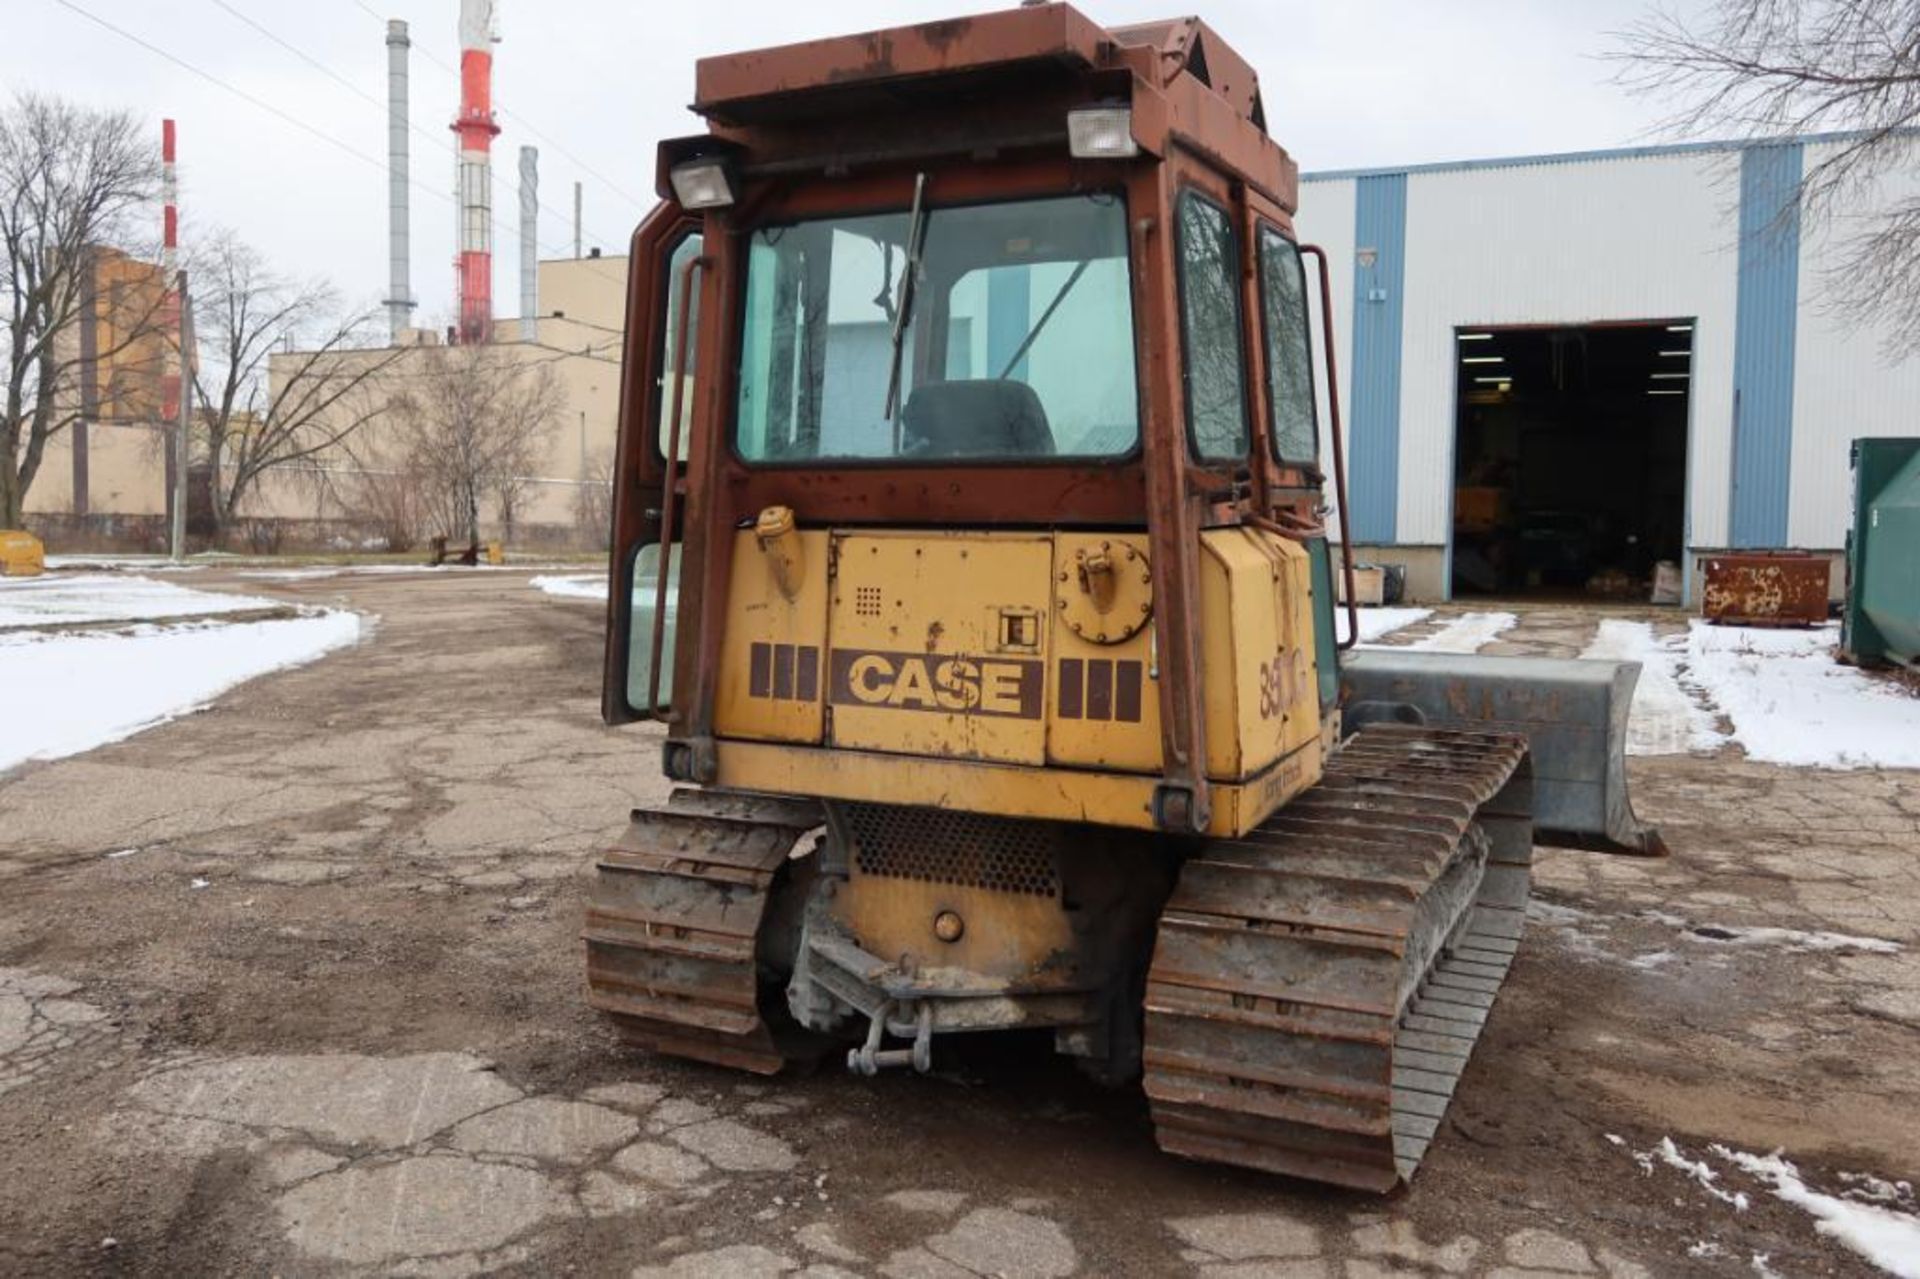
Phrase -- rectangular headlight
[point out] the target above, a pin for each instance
(702, 184)
(1101, 133)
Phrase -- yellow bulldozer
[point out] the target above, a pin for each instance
(969, 541)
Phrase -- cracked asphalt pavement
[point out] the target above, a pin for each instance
(360, 1047)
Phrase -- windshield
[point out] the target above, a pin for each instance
(1017, 339)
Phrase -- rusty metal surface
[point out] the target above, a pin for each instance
(743, 86)
(1765, 588)
(1293, 964)
(1573, 713)
(673, 925)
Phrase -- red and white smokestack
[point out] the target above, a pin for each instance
(169, 269)
(474, 176)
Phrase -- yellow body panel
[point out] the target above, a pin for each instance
(1256, 642)
(1104, 706)
(1007, 940)
(938, 644)
(1009, 790)
(773, 650)
(968, 670)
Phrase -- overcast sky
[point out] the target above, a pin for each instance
(593, 85)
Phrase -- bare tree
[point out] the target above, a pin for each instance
(1760, 69)
(593, 502)
(474, 425)
(326, 383)
(71, 180)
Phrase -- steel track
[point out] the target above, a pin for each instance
(1319, 984)
(673, 924)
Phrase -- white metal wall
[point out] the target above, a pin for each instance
(1621, 239)
(1845, 386)
(1326, 219)
(1602, 238)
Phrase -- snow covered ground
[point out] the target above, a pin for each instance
(1874, 1217)
(1666, 719)
(1468, 633)
(573, 586)
(1376, 622)
(62, 692)
(1791, 702)
(57, 599)
(1782, 693)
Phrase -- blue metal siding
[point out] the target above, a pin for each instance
(1765, 320)
(1379, 274)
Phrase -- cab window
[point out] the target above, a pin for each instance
(1213, 372)
(683, 252)
(1283, 302)
(1015, 342)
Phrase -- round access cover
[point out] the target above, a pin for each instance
(1104, 590)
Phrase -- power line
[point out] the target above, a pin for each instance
(268, 107)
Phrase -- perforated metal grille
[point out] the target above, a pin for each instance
(967, 849)
(866, 601)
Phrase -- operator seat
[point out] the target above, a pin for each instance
(983, 417)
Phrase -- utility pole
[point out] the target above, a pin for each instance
(182, 431)
(576, 219)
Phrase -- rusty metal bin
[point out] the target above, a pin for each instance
(1766, 588)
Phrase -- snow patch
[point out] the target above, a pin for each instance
(1377, 622)
(1468, 633)
(1888, 1239)
(1791, 939)
(1864, 1185)
(1790, 702)
(580, 586)
(1699, 1170)
(109, 597)
(71, 693)
(1664, 720)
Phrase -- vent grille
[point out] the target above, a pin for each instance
(866, 601)
(1001, 854)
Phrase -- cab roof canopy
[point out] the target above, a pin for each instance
(985, 84)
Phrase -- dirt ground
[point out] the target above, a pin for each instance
(292, 986)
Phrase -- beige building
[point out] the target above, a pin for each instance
(349, 498)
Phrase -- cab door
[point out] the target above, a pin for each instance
(659, 375)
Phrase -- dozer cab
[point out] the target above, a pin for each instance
(969, 541)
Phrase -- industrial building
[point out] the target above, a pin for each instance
(1558, 371)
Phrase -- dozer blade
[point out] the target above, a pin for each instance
(1314, 1020)
(1572, 712)
(673, 924)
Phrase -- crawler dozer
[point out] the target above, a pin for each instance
(970, 543)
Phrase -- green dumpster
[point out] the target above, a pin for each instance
(1882, 622)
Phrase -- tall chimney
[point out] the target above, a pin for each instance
(576, 219)
(170, 300)
(529, 244)
(476, 129)
(399, 286)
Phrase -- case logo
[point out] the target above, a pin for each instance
(934, 682)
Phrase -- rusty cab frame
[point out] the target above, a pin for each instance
(981, 106)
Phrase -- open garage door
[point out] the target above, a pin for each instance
(1570, 458)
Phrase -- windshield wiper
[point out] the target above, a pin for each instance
(903, 304)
